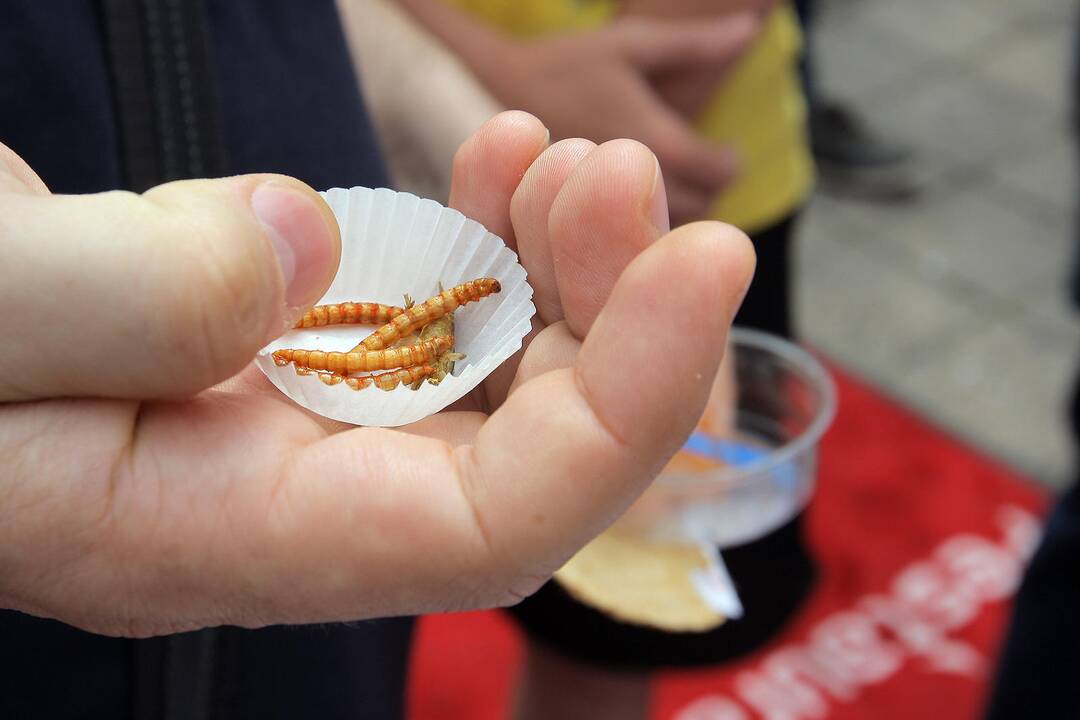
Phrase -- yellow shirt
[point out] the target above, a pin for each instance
(759, 110)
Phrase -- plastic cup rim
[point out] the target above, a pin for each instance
(817, 375)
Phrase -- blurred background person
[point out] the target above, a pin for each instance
(713, 87)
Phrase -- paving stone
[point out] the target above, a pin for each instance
(955, 302)
(1037, 63)
(960, 118)
(1004, 388)
(975, 240)
(1046, 175)
(948, 29)
(1054, 315)
(854, 58)
(859, 308)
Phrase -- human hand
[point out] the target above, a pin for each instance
(638, 77)
(689, 90)
(138, 498)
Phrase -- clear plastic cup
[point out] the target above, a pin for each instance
(733, 498)
(744, 475)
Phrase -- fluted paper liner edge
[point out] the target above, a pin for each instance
(394, 243)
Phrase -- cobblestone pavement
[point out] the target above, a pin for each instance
(956, 302)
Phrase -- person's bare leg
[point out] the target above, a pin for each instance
(553, 686)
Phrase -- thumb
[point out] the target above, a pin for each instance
(654, 45)
(155, 295)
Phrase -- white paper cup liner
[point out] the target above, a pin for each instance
(395, 243)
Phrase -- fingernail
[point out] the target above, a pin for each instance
(305, 245)
(658, 207)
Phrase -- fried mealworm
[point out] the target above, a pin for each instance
(340, 363)
(430, 310)
(444, 363)
(349, 313)
(383, 381)
(410, 339)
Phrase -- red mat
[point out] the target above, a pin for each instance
(921, 542)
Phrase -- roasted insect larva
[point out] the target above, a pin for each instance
(410, 339)
(444, 363)
(341, 363)
(417, 340)
(383, 381)
(418, 316)
(349, 313)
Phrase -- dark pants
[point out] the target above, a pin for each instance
(51, 670)
(1039, 675)
(275, 79)
(805, 11)
(768, 301)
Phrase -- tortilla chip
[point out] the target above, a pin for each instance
(641, 582)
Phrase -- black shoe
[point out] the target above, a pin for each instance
(855, 161)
